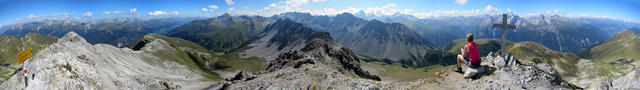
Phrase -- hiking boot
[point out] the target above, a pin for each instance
(459, 70)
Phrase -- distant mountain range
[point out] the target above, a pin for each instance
(635, 29)
(3, 29)
(371, 38)
(566, 34)
(118, 32)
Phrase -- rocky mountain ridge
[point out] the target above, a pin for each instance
(319, 62)
(73, 63)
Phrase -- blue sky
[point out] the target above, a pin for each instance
(12, 11)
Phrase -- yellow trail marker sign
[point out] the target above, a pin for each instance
(24, 55)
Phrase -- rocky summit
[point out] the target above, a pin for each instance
(73, 63)
(501, 73)
(320, 63)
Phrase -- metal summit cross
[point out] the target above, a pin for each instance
(504, 27)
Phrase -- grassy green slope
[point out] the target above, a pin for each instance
(399, 73)
(615, 56)
(564, 63)
(624, 45)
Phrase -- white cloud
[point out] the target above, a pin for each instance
(210, 8)
(491, 9)
(229, 2)
(296, 3)
(390, 5)
(488, 10)
(290, 6)
(116, 12)
(461, 2)
(230, 9)
(88, 14)
(31, 16)
(133, 11)
(555, 12)
(387, 9)
(66, 15)
(213, 6)
(332, 11)
(156, 13)
(175, 13)
(205, 9)
(384, 10)
(272, 5)
(318, 0)
(46, 16)
(106, 13)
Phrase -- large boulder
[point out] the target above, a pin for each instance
(470, 72)
(628, 82)
(527, 74)
(601, 84)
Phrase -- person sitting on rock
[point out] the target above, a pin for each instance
(470, 51)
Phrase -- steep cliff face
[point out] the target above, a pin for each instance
(72, 63)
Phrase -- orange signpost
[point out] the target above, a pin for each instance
(24, 55)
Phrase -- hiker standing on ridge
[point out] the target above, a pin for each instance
(470, 55)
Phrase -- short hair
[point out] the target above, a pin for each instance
(469, 37)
